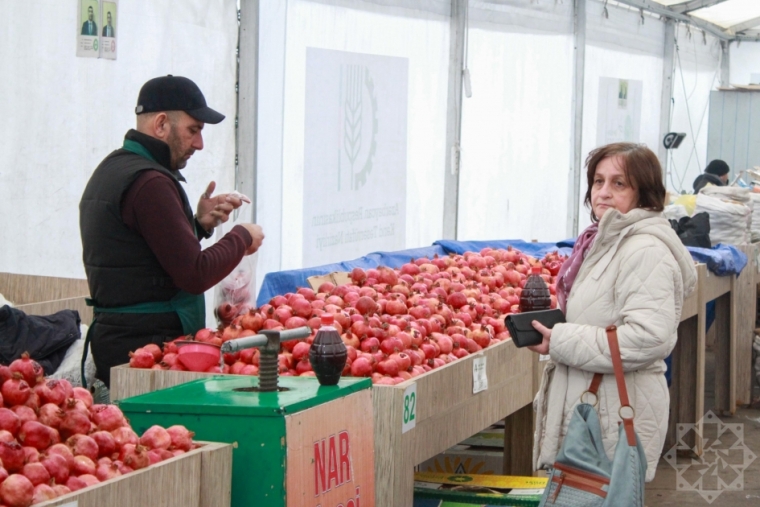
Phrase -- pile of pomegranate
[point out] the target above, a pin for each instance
(54, 440)
(396, 323)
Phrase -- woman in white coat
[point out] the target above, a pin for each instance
(628, 269)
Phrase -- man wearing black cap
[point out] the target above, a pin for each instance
(141, 241)
(716, 173)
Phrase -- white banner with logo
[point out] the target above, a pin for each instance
(354, 155)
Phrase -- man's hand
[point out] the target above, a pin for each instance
(543, 347)
(213, 211)
(256, 234)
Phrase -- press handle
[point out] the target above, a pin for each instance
(232, 346)
(295, 334)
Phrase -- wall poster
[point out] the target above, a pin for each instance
(354, 155)
(619, 113)
(96, 28)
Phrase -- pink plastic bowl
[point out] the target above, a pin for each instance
(197, 356)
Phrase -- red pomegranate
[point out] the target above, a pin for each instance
(37, 435)
(29, 369)
(36, 473)
(12, 456)
(156, 437)
(17, 491)
(16, 390)
(106, 443)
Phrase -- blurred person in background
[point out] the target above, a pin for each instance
(716, 173)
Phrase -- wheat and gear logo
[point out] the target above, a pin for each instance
(359, 132)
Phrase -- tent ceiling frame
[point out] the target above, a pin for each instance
(694, 5)
(745, 25)
(749, 35)
(662, 10)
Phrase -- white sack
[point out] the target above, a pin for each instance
(674, 212)
(727, 193)
(754, 200)
(729, 221)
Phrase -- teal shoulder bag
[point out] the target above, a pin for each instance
(583, 475)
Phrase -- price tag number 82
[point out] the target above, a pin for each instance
(409, 405)
(410, 408)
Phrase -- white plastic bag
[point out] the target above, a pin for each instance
(729, 220)
(235, 294)
(71, 366)
(4, 301)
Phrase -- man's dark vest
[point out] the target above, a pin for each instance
(121, 268)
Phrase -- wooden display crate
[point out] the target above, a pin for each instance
(445, 408)
(45, 295)
(199, 478)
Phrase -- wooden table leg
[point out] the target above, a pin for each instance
(686, 398)
(725, 343)
(518, 442)
(743, 302)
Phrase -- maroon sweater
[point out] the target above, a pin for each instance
(152, 207)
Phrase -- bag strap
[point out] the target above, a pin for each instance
(617, 365)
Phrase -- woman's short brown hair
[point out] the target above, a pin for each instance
(641, 168)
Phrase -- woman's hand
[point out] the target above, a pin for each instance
(543, 347)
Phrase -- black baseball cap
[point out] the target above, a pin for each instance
(175, 93)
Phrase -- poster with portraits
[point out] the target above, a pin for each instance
(88, 39)
(96, 28)
(619, 113)
(108, 21)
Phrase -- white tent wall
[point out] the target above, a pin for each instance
(516, 141)
(744, 61)
(64, 114)
(418, 31)
(696, 73)
(619, 46)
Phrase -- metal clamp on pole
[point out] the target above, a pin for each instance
(269, 343)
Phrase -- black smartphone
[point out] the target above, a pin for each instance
(521, 330)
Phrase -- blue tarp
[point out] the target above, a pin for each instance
(535, 249)
(283, 282)
(722, 260)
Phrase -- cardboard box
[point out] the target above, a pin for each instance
(438, 490)
(492, 438)
(336, 278)
(464, 459)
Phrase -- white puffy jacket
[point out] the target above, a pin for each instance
(635, 276)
